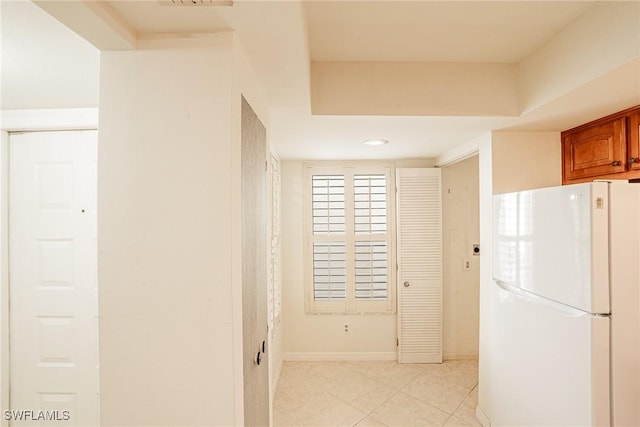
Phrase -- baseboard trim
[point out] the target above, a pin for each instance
(460, 356)
(339, 356)
(482, 417)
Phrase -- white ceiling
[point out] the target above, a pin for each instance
(430, 31)
(282, 37)
(341, 137)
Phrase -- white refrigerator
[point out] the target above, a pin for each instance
(565, 341)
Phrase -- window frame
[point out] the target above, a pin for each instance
(350, 305)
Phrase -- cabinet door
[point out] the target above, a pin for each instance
(634, 141)
(595, 150)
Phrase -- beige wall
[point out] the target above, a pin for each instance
(169, 258)
(461, 229)
(164, 269)
(413, 89)
(316, 336)
(525, 160)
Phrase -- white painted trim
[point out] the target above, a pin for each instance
(274, 375)
(52, 119)
(277, 373)
(460, 356)
(339, 357)
(482, 417)
(485, 349)
(460, 153)
(4, 274)
(235, 209)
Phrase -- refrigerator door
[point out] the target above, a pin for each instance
(551, 364)
(554, 243)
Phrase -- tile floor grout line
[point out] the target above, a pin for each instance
(367, 414)
(460, 404)
(396, 391)
(370, 414)
(433, 406)
(359, 421)
(370, 376)
(445, 423)
(440, 409)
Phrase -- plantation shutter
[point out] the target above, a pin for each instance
(350, 247)
(419, 234)
(370, 201)
(329, 257)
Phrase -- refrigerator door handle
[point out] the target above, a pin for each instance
(567, 310)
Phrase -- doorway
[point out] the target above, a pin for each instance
(461, 258)
(53, 287)
(254, 269)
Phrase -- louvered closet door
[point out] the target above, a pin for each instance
(419, 203)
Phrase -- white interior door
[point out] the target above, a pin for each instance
(53, 278)
(419, 224)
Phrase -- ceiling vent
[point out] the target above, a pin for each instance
(196, 2)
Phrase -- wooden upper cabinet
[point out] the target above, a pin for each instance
(607, 148)
(595, 150)
(634, 141)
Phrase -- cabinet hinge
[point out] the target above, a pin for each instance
(397, 342)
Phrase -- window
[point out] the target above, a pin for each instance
(349, 245)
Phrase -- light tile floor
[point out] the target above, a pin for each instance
(371, 394)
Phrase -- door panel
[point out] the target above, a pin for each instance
(254, 269)
(53, 276)
(419, 236)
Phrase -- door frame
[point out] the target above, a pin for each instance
(24, 121)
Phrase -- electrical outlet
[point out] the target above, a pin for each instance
(467, 264)
(346, 328)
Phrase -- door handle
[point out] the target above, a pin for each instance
(633, 159)
(261, 349)
(616, 163)
(406, 284)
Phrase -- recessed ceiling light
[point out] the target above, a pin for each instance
(376, 142)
